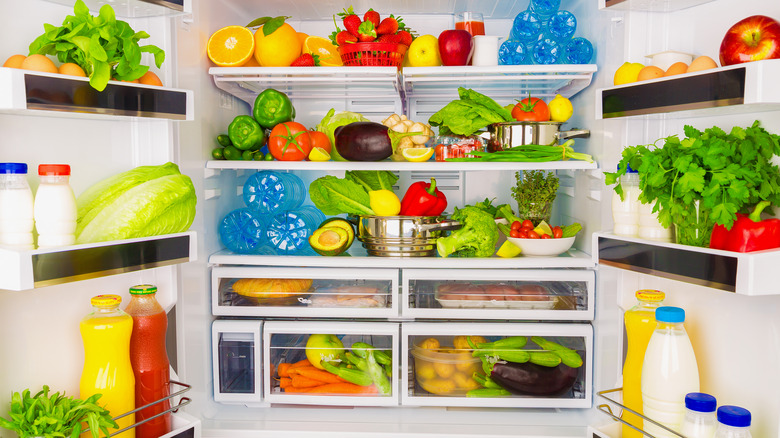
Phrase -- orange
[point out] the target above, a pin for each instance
(322, 47)
(302, 37)
(231, 46)
(252, 62)
(14, 61)
(39, 63)
(677, 68)
(150, 78)
(279, 49)
(649, 72)
(702, 63)
(72, 69)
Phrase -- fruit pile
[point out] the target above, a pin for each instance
(370, 29)
(631, 72)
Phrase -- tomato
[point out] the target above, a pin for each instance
(514, 233)
(289, 141)
(527, 224)
(532, 235)
(320, 140)
(516, 225)
(545, 236)
(557, 232)
(531, 109)
(522, 233)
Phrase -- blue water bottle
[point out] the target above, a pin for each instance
(513, 52)
(544, 8)
(577, 51)
(526, 27)
(288, 232)
(560, 26)
(242, 231)
(546, 51)
(270, 192)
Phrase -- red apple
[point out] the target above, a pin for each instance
(455, 47)
(751, 39)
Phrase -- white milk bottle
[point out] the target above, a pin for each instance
(625, 211)
(699, 420)
(16, 207)
(649, 226)
(55, 207)
(733, 422)
(669, 372)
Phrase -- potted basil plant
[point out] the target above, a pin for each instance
(704, 179)
(49, 416)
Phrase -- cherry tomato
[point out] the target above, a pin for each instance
(557, 232)
(289, 141)
(532, 235)
(514, 233)
(320, 140)
(516, 225)
(527, 229)
(531, 109)
(528, 224)
(545, 236)
(522, 233)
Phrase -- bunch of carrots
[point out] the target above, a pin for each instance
(303, 377)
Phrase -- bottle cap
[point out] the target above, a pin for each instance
(669, 314)
(143, 289)
(53, 169)
(650, 295)
(700, 402)
(106, 300)
(13, 168)
(734, 416)
(628, 168)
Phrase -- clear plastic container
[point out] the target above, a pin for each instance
(733, 422)
(625, 210)
(16, 207)
(699, 420)
(242, 231)
(576, 51)
(54, 207)
(546, 51)
(513, 52)
(288, 232)
(544, 8)
(271, 192)
(526, 27)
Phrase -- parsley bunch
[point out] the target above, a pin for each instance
(725, 172)
(535, 189)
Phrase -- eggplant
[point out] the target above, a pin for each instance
(532, 379)
(367, 141)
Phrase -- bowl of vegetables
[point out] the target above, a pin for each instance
(542, 247)
(540, 240)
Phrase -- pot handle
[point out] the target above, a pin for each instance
(439, 226)
(574, 133)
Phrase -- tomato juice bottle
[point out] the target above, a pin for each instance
(107, 369)
(149, 360)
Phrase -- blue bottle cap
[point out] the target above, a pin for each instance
(734, 416)
(700, 402)
(13, 168)
(669, 314)
(628, 168)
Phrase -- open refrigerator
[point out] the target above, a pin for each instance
(731, 299)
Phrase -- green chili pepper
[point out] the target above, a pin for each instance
(272, 107)
(355, 376)
(245, 133)
(488, 392)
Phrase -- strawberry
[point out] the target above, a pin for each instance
(350, 20)
(388, 38)
(344, 37)
(372, 16)
(306, 60)
(404, 37)
(366, 32)
(388, 26)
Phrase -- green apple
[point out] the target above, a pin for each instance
(323, 347)
(424, 52)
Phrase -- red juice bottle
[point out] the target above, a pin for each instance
(150, 360)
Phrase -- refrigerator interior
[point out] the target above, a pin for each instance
(736, 337)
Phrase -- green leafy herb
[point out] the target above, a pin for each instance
(270, 24)
(533, 187)
(373, 179)
(47, 416)
(724, 172)
(333, 195)
(487, 206)
(472, 112)
(104, 47)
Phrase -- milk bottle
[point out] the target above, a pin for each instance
(16, 207)
(55, 207)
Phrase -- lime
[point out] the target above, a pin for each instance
(224, 140)
(259, 156)
(417, 154)
(508, 250)
(231, 153)
(543, 228)
(561, 109)
(218, 153)
(268, 157)
(319, 154)
(247, 155)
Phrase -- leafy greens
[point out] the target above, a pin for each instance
(472, 112)
(333, 195)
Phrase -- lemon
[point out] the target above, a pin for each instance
(319, 154)
(384, 202)
(543, 228)
(417, 154)
(627, 73)
(508, 250)
(560, 108)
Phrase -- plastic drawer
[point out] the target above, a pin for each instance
(527, 294)
(443, 375)
(324, 292)
(236, 349)
(286, 342)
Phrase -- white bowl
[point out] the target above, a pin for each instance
(542, 247)
(664, 60)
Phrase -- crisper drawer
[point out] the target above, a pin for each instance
(529, 365)
(361, 363)
(520, 294)
(307, 292)
(235, 349)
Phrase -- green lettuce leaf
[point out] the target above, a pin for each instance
(334, 196)
(373, 179)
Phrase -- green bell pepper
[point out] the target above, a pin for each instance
(272, 107)
(245, 133)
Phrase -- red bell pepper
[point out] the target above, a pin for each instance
(423, 199)
(749, 233)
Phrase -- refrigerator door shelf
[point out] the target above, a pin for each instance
(539, 294)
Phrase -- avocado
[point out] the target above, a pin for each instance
(329, 241)
(341, 223)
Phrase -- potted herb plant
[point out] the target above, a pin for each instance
(48, 416)
(704, 179)
(535, 192)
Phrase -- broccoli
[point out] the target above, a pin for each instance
(476, 238)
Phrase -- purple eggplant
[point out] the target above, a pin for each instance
(531, 379)
(367, 141)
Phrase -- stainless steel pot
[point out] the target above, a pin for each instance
(402, 236)
(509, 134)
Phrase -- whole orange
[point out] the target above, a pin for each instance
(279, 49)
(38, 62)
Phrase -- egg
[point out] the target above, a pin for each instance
(38, 62)
(649, 72)
(72, 69)
(677, 68)
(702, 63)
(14, 61)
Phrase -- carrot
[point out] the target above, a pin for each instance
(343, 388)
(284, 382)
(317, 374)
(301, 363)
(282, 369)
(300, 381)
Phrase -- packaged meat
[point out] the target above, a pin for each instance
(495, 295)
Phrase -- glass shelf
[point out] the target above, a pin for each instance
(400, 165)
(137, 8)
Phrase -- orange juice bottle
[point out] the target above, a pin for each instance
(640, 324)
(107, 370)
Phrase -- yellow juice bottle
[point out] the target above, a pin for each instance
(640, 323)
(107, 369)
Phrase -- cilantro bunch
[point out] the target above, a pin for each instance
(721, 173)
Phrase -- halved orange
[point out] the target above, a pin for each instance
(322, 47)
(231, 46)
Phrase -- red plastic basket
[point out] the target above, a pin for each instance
(372, 54)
